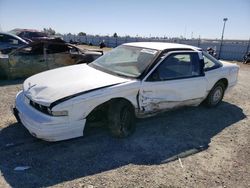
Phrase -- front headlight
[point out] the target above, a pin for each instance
(59, 113)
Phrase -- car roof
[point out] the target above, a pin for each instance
(161, 45)
(17, 31)
(15, 36)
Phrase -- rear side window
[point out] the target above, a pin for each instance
(210, 62)
(34, 49)
(57, 48)
(179, 65)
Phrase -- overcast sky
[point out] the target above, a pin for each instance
(170, 18)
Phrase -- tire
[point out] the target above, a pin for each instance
(121, 119)
(216, 95)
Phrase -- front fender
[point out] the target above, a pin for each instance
(81, 106)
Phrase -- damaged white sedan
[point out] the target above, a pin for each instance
(133, 80)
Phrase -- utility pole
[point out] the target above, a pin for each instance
(222, 36)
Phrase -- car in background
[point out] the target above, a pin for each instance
(133, 80)
(9, 42)
(43, 55)
(30, 35)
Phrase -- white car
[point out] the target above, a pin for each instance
(133, 80)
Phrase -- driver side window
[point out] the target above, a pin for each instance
(177, 66)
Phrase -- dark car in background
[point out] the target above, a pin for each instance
(8, 42)
(30, 35)
(43, 55)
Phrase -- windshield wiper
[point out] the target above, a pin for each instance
(121, 75)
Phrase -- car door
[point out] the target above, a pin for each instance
(177, 80)
(60, 54)
(27, 61)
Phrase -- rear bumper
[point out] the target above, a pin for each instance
(46, 127)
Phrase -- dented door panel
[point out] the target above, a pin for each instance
(163, 95)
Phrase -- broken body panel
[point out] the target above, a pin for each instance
(78, 96)
(43, 55)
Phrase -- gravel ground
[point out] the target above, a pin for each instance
(189, 147)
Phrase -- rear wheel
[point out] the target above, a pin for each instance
(121, 119)
(216, 95)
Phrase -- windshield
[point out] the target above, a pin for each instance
(126, 60)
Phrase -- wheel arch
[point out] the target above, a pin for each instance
(107, 104)
(224, 81)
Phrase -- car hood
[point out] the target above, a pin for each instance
(50, 86)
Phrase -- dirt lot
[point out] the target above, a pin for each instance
(190, 147)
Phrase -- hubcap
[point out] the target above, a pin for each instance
(217, 95)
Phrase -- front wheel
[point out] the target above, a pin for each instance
(216, 95)
(121, 119)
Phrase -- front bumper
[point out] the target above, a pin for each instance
(49, 128)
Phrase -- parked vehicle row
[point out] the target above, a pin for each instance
(20, 37)
(30, 35)
(9, 42)
(42, 55)
(134, 80)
